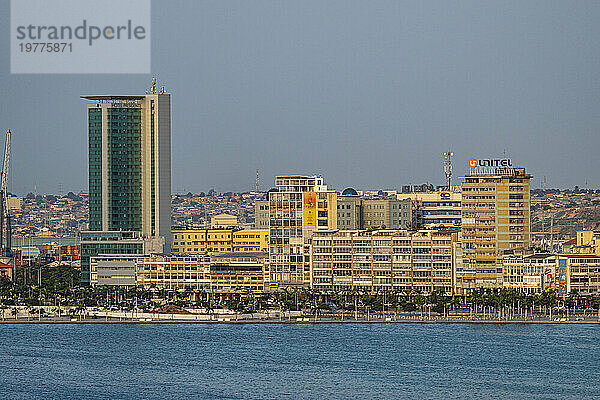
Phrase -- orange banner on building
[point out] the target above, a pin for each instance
(310, 209)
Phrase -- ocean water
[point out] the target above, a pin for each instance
(299, 361)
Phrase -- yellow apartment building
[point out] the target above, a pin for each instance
(202, 241)
(216, 241)
(587, 242)
(237, 272)
(248, 241)
(174, 272)
(217, 273)
(495, 217)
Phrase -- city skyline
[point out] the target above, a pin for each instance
(341, 199)
(318, 90)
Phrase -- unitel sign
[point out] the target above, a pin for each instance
(501, 162)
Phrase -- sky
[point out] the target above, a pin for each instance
(368, 94)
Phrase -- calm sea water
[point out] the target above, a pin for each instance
(265, 361)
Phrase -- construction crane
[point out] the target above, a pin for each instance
(4, 211)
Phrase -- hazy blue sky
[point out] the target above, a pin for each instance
(367, 93)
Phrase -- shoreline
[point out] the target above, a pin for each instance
(293, 321)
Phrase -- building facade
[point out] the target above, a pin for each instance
(251, 241)
(387, 214)
(495, 217)
(223, 221)
(238, 272)
(586, 242)
(386, 260)
(435, 209)
(214, 241)
(113, 270)
(173, 272)
(350, 210)
(525, 272)
(219, 273)
(354, 212)
(202, 241)
(298, 206)
(95, 243)
(261, 214)
(575, 274)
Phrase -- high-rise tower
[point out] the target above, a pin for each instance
(130, 163)
(495, 218)
(298, 206)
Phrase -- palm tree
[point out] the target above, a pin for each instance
(79, 309)
(420, 300)
(29, 311)
(4, 307)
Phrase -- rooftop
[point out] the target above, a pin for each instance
(97, 98)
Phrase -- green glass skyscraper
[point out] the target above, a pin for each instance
(130, 164)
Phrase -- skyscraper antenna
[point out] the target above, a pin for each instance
(256, 187)
(448, 168)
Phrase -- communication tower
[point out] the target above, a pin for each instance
(448, 168)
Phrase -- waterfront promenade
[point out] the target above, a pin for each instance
(14, 315)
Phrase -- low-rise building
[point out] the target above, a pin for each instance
(216, 241)
(202, 241)
(115, 270)
(171, 272)
(94, 243)
(237, 272)
(217, 273)
(577, 273)
(251, 241)
(524, 271)
(586, 242)
(14, 202)
(223, 221)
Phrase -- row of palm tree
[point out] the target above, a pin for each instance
(58, 289)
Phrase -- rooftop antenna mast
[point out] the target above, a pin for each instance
(448, 168)
(256, 187)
